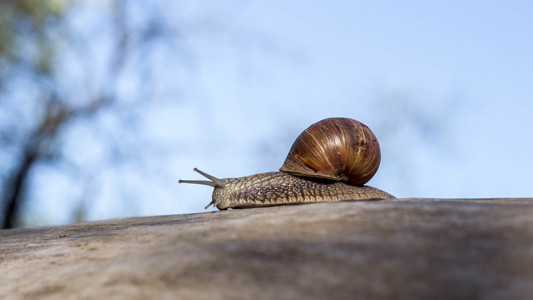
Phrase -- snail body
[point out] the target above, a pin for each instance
(330, 161)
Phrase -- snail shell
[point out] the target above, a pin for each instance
(339, 149)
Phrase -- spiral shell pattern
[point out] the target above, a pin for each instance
(340, 149)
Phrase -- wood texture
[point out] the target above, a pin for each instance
(392, 249)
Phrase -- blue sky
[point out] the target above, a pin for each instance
(447, 87)
(467, 67)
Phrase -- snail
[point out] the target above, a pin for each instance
(329, 161)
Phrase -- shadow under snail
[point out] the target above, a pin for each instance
(329, 161)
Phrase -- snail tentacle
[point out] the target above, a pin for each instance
(214, 181)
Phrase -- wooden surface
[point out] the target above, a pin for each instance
(392, 249)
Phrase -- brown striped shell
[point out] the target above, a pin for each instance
(339, 149)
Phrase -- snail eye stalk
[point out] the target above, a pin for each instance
(215, 182)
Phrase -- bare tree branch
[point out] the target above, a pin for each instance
(57, 111)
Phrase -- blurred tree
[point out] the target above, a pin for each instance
(40, 43)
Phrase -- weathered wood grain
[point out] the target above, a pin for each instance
(392, 249)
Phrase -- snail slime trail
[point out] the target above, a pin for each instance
(329, 161)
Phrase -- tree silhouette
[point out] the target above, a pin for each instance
(41, 41)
